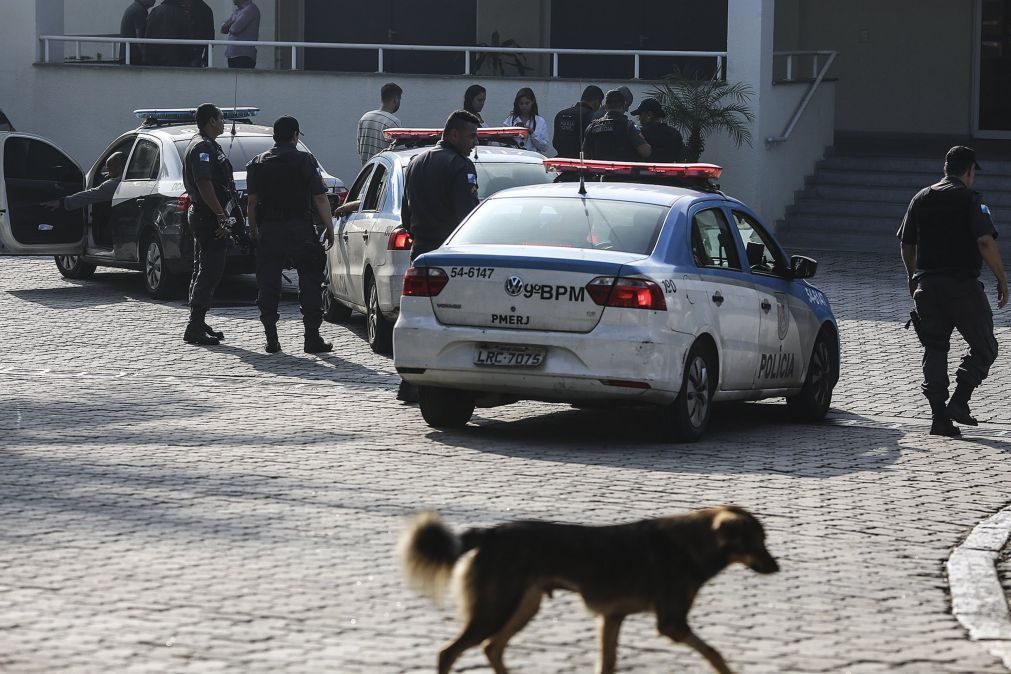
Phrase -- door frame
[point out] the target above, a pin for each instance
(977, 38)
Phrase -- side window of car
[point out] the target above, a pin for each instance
(145, 162)
(764, 255)
(712, 241)
(377, 185)
(102, 174)
(356, 189)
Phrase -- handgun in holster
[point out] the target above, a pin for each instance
(236, 225)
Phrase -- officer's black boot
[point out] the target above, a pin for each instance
(211, 332)
(940, 424)
(958, 406)
(314, 342)
(272, 345)
(195, 329)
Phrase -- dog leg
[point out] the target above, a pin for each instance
(609, 625)
(474, 633)
(495, 647)
(684, 635)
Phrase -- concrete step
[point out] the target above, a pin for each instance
(910, 181)
(843, 225)
(849, 208)
(922, 165)
(809, 244)
(890, 195)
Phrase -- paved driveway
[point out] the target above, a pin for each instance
(171, 508)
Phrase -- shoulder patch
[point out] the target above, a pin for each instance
(984, 209)
(204, 156)
(472, 178)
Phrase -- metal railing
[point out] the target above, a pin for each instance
(819, 70)
(381, 49)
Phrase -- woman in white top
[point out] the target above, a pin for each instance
(525, 114)
(473, 101)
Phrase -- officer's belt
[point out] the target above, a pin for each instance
(270, 213)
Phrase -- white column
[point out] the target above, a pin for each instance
(49, 21)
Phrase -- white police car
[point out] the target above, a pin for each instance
(366, 265)
(676, 296)
(144, 227)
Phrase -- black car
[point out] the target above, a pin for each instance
(144, 226)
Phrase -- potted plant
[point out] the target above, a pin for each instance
(497, 61)
(700, 107)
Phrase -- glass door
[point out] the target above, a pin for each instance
(992, 82)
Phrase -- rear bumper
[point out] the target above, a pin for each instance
(390, 282)
(577, 366)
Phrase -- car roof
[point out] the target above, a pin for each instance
(488, 154)
(187, 131)
(660, 195)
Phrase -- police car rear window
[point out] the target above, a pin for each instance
(571, 223)
(241, 150)
(492, 178)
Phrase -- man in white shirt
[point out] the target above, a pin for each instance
(372, 124)
(242, 25)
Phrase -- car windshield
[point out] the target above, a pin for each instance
(492, 178)
(240, 151)
(572, 223)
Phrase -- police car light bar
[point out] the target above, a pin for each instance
(190, 114)
(398, 134)
(599, 167)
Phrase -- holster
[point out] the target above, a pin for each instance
(926, 340)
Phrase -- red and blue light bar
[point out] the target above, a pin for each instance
(190, 114)
(632, 168)
(490, 133)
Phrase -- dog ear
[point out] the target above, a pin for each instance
(729, 528)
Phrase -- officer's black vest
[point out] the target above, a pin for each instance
(281, 188)
(608, 138)
(946, 241)
(570, 125)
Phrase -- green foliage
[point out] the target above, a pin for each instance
(498, 61)
(699, 108)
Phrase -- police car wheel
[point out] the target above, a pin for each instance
(333, 311)
(815, 398)
(158, 281)
(380, 331)
(693, 407)
(72, 266)
(445, 407)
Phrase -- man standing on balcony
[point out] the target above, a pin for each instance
(134, 24)
(243, 25)
(203, 29)
(372, 124)
(169, 21)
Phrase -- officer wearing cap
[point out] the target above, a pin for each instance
(207, 175)
(614, 137)
(666, 141)
(285, 188)
(946, 235)
(571, 123)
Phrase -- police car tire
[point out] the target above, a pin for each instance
(333, 310)
(815, 398)
(689, 415)
(162, 285)
(73, 267)
(445, 407)
(379, 331)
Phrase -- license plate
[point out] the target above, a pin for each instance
(509, 356)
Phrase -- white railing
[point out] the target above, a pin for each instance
(822, 62)
(381, 49)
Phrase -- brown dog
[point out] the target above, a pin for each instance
(658, 565)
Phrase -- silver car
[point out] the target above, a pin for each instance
(371, 251)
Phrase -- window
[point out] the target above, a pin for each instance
(764, 255)
(240, 150)
(30, 159)
(145, 163)
(712, 241)
(492, 178)
(102, 173)
(356, 189)
(377, 185)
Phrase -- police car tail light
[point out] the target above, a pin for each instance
(424, 281)
(626, 293)
(400, 239)
(183, 203)
(633, 168)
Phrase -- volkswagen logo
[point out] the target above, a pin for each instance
(514, 285)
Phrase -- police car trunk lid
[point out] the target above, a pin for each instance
(536, 288)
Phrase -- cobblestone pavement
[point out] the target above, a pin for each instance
(166, 508)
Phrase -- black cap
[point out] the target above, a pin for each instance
(959, 159)
(614, 96)
(286, 127)
(649, 105)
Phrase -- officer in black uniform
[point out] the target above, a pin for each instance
(614, 137)
(207, 175)
(946, 235)
(440, 190)
(285, 187)
(666, 141)
(571, 123)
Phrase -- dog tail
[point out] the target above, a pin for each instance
(428, 550)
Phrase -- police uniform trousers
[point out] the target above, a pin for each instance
(947, 303)
(209, 256)
(281, 240)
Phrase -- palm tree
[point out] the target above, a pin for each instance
(700, 107)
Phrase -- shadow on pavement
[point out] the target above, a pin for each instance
(323, 367)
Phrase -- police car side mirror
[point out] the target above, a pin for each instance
(803, 267)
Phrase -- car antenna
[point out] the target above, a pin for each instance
(235, 104)
(582, 176)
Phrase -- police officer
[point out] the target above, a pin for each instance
(946, 235)
(285, 187)
(614, 137)
(571, 123)
(440, 190)
(666, 141)
(207, 175)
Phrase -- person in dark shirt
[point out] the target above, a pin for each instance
(202, 21)
(169, 21)
(571, 123)
(614, 137)
(134, 24)
(666, 141)
(946, 236)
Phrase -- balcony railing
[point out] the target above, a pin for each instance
(718, 57)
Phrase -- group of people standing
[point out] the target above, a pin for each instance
(597, 125)
(187, 20)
